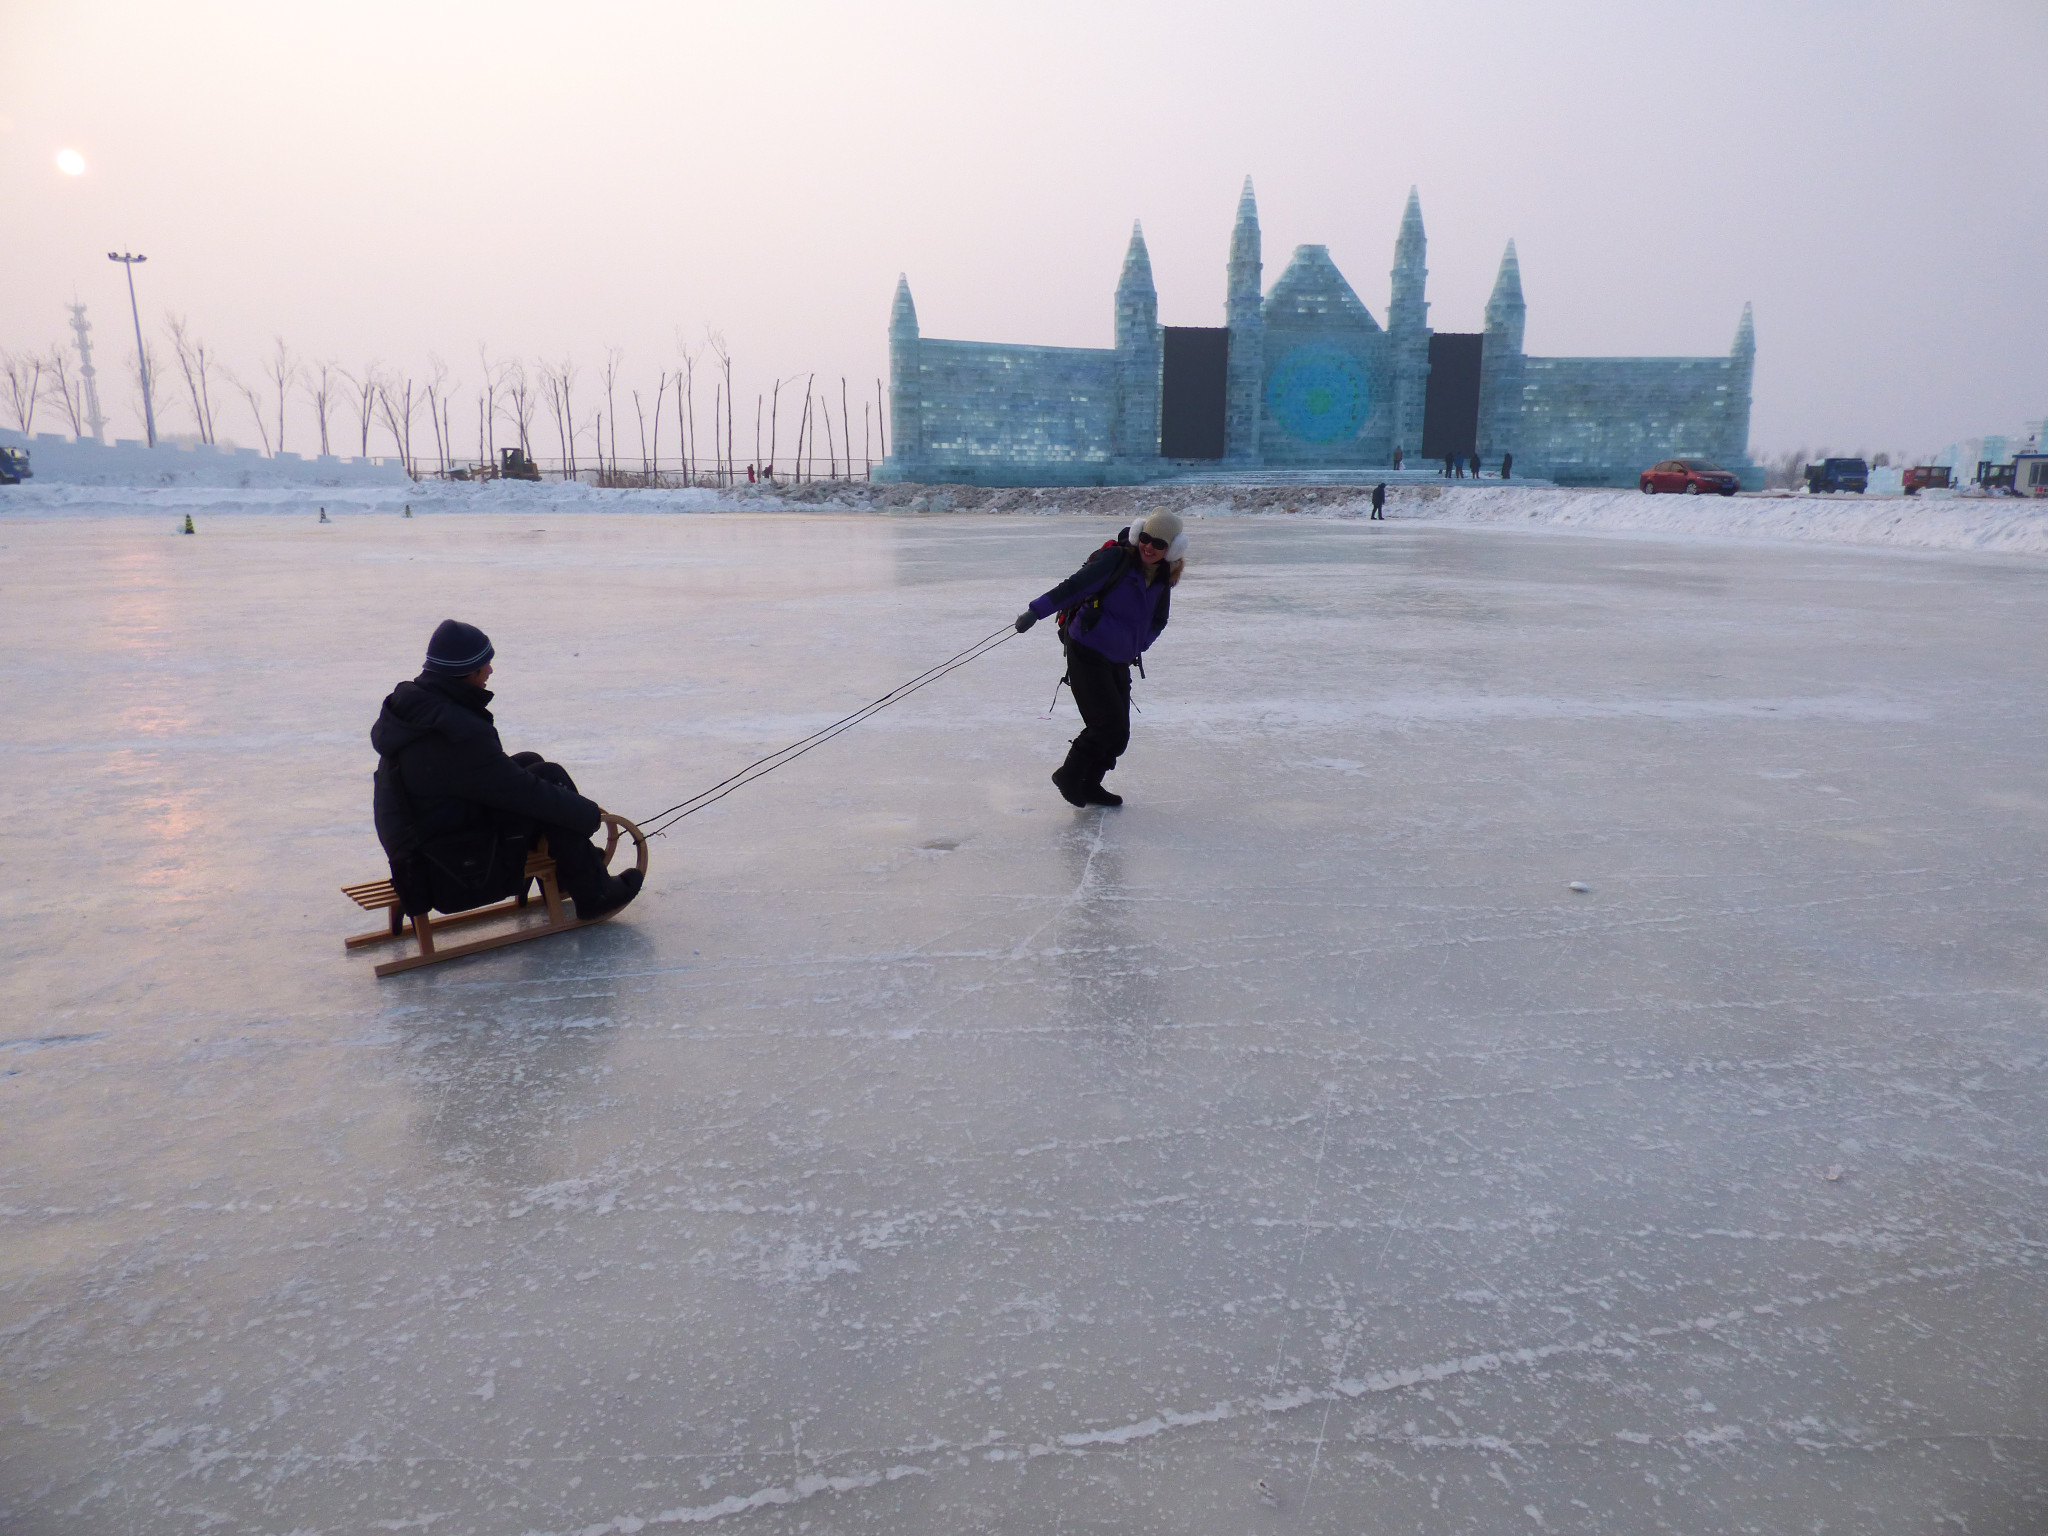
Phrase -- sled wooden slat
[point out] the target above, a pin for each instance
(424, 930)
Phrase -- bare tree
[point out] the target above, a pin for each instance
(68, 392)
(520, 399)
(254, 396)
(722, 356)
(686, 410)
(437, 397)
(495, 375)
(831, 448)
(559, 380)
(804, 432)
(197, 364)
(319, 380)
(282, 369)
(22, 375)
(686, 426)
(846, 426)
(612, 357)
(397, 406)
(363, 401)
(146, 370)
(660, 390)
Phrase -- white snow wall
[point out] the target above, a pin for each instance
(58, 460)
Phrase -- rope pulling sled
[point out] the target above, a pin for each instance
(372, 895)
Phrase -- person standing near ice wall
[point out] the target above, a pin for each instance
(1111, 610)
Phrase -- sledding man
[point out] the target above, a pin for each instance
(1111, 610)
(456, 815)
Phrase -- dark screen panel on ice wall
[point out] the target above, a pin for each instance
(1191, 399)
(1450, 409)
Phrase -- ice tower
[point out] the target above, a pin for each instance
(1500, 368)
(1137, 350)
(1247, 326)
(906, 383)
(1408, 328)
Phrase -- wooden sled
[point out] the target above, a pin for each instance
(373, 894)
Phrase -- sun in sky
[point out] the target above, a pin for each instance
(70, 162)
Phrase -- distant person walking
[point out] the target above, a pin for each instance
(1379, 502)
(1507, 463)
(1397, 456)
(1111, 610)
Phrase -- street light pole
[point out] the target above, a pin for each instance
(141, 357)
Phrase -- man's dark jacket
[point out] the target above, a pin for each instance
(441, 772)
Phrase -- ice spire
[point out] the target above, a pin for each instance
(1137, 301)
(1745, 336)
(1137, 262)
(1245, 265)
(1407, 311)
(905, 427)
(1507, 288)
(1505, 310)
(1245, 373)
(903, 313)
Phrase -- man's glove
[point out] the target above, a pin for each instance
(1025, 620)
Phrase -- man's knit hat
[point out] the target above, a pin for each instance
(458, 649)
(1167, 527)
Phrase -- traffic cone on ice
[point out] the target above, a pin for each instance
(188, 524)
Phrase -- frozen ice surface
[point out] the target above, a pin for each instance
(1291, 1150)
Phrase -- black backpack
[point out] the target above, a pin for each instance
(1090, 608)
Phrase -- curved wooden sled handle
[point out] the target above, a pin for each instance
(613, 826)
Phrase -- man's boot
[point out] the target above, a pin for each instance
(1095, 794)
(1068, 783)
(622, 889)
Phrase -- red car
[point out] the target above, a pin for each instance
(1692, 476)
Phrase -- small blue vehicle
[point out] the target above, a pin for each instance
(14, 466)
(1838, 475)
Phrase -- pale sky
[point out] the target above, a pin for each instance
(385, 181)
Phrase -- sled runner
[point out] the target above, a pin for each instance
(373, 894)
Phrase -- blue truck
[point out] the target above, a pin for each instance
(13, 466)
(1838, 475)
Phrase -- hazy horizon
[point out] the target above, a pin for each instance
(403, 181)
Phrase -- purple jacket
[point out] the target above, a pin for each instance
(1119, 615)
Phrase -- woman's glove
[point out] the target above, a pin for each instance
(1025, 620)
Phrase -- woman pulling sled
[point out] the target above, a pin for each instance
(1110, 611)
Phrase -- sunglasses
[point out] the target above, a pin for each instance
(1149, 542)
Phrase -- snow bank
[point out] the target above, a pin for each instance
(1985, 524)
(1991, 524)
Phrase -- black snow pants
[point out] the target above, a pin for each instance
(1102, 692)
(579, 863)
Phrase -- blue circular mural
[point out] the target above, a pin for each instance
(1319, 393)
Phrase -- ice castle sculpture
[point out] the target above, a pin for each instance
(1301, 377)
